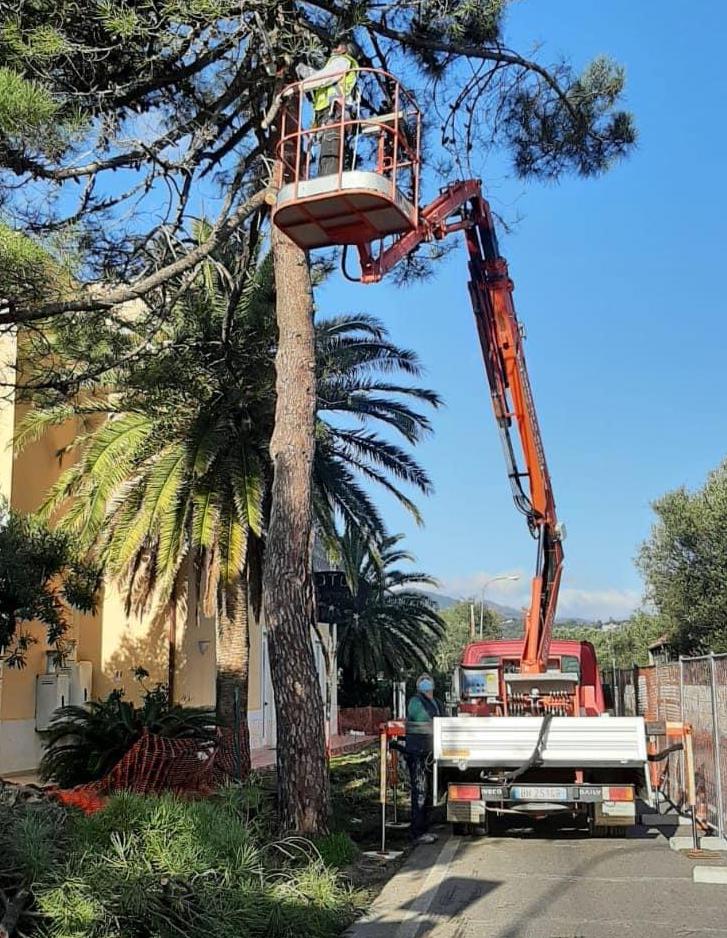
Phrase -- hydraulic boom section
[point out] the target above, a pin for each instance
(461, 207)
(501, 338)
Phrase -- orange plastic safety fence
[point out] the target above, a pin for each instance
(155, 764)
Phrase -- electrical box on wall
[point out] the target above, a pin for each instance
(80, 674)
(51, 692)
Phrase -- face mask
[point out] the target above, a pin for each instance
(426, 686)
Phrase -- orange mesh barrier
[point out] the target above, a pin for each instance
(155, 764)
(85, 797)
(231, 762)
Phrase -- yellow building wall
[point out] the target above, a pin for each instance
(112, 640)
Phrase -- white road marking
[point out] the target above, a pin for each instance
(420, 906)
(580, 878)
(503, 929)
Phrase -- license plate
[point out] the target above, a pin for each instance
(539, 793)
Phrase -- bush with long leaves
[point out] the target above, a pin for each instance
(84, 743)
(168, 867)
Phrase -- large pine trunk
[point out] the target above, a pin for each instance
(233, 658)
(303, 789)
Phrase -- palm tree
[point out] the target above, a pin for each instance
(354, 359)
(387, 627)
(180, 471)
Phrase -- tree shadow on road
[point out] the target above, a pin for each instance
(428, 910)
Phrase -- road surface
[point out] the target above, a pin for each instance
(557, 886)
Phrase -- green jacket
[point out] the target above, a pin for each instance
(343, 86)
(420, 714)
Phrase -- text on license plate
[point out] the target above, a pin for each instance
(539, 793)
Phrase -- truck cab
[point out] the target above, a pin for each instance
(490, 681)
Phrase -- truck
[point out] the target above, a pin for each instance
(531, 735)
(531, 746)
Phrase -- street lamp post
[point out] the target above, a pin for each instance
(494, 579)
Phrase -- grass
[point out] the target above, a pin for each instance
(355, 795)
(167, 867)
(337, 850)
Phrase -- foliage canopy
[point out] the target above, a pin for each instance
(176, 102)
(684, 564)
(41, 575)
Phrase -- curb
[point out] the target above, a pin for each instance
(402, 905)
(686, 843)
(716, 875)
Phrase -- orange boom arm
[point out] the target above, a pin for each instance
(461, 206)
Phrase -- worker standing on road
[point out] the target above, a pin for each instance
(420, 714)
(331, 89)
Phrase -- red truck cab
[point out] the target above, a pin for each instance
(489, 680)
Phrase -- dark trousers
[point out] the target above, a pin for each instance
(421, 790)
(330, 139)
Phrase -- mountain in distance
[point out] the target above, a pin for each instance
(506, 612)
(446, 602)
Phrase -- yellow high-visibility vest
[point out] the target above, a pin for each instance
(324, 96)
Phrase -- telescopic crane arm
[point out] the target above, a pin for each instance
(462, 207)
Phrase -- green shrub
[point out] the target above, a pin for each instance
(32, 841)
(337, 849)
(84, 743)
(33, 844)
(167, 867)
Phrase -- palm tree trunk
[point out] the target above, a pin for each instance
(303, 791)
(233, 654)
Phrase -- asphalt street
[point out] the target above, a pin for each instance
(557, 886)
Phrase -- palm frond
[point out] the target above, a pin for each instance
(36, 423)
(205, 517)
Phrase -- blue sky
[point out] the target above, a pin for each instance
(619, 284)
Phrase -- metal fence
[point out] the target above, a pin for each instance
(691, 690)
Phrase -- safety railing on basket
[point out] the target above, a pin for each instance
(373, 126)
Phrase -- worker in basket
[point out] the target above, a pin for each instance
(331, 90)
(420, 713)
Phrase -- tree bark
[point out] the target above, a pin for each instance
(233, 659)
(303, 790)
